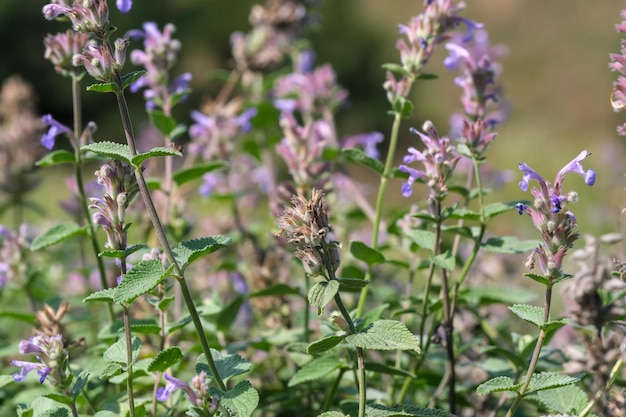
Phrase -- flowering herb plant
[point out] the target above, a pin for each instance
(290, 291)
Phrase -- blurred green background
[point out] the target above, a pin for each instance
(555, 76)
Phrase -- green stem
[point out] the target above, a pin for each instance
(393, 142)
(617, 369)
(76, 107)
(129, 362)
(160, 232)
(535, 358)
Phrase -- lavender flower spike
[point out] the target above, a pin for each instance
(51, 358)
(124, 6)
(174, 384)
(576, 167)
(56, 128)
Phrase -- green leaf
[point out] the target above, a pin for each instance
(131, 77)
(107, 295)
(275, 290)
(145, 326)
(549, 380)
(228, 314)
(102, 87)
(322, 293)
(190, 250)
(228, 365)
(553, 325)
(366, 254)
(162, 122)
(497, 384)
(316, 369)
(509, 244)
(494, 209)
(111, 370)
(116, 353)
(57, 234)
(185, 175)
(396, 69)
(56, 412)
(332, 414)
(79, 384)
(532, 314)
(59, 398)
(569, 399)
(5, 380)
(503, 295)
(359, 156)
(427, 76)
(325, 343)
(110, 150)
(120, 254)
(384, 335)
(422, 238)
(138, 159)
(402, 410)
(347, 284)
(105, 413)
(381, 368)
(444, 261)
(57, 157)
(538, 278)
(465, 214)
(240, 401)
(165, 359)
(142, 278)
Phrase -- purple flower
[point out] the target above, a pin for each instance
(618, 64)
(367, 140)
(50, 355)
(86, 16)
(56, 128)
(174, 384)
(124, 6)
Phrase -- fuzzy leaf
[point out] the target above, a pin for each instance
(116, 353)
(316, 369)
(538, 278)
(494, 209)
(102, 87)
(359, 156)
(119, 254)
(185, 175)
(275, 290)
(79, 384)
(131, 77)
(228, 365)
(402, 410)
(384, 335)
(497, 384)
(110, 149)
(57, 234)
(332, 414)
(60, 156)
(444, 261)
(381, 368)
(158, 151)
(111, 370)
(465, 214)
(347, 284)
(228, 314)
(365, 253)
(549, 380)
(60, 398)
(103, 295)
(325, 343)
(322, 293)
(162, 122)
(241, 401)
(509, 244)
(142, 278)
(532, 314)
(553, 325)
(190, 250)
(569, 399)
(165, 359)
(145, 326)
(422, 238)
(56, 412)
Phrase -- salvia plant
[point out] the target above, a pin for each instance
(292, 291)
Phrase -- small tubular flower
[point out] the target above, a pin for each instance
(51, 359)
(618, 64)
(56, 129)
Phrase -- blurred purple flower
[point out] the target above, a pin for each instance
(86, 16)
(56, 128)
(618, 64)
(174, 384)
(367, 140)
(124, 6)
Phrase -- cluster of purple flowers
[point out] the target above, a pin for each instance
(51, 359)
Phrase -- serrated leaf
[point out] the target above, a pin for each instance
(494, 209)
(352, 283)
(465, 214)
(116, 353)
(56, 412)
(240, 401)
(162, 122)
(110, 149)
(143, 277)
(444, 260)
(322, 293)
(316, 369)
(538, 278)
(59, 398)
(145, 326)
(325, 343)
(165, 359)
(497, 384)
(359, 156)
(402, 410)
(384, 335)
(509, 244)
(332, 414)
(275, 290)
(553, 325)
(227, 364)
(422, 238)
(190, 250)
(119, 254)
(102, 87)
(111, 370)
(185, 175)
(138, 159)
(569, 399)
(57, 157)
(549, 380)
(365, 253)
(79, 384)
(228, 314)
(57, 234)
(381, 368)
(103, 295)
(131, 77)
(532, 314)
